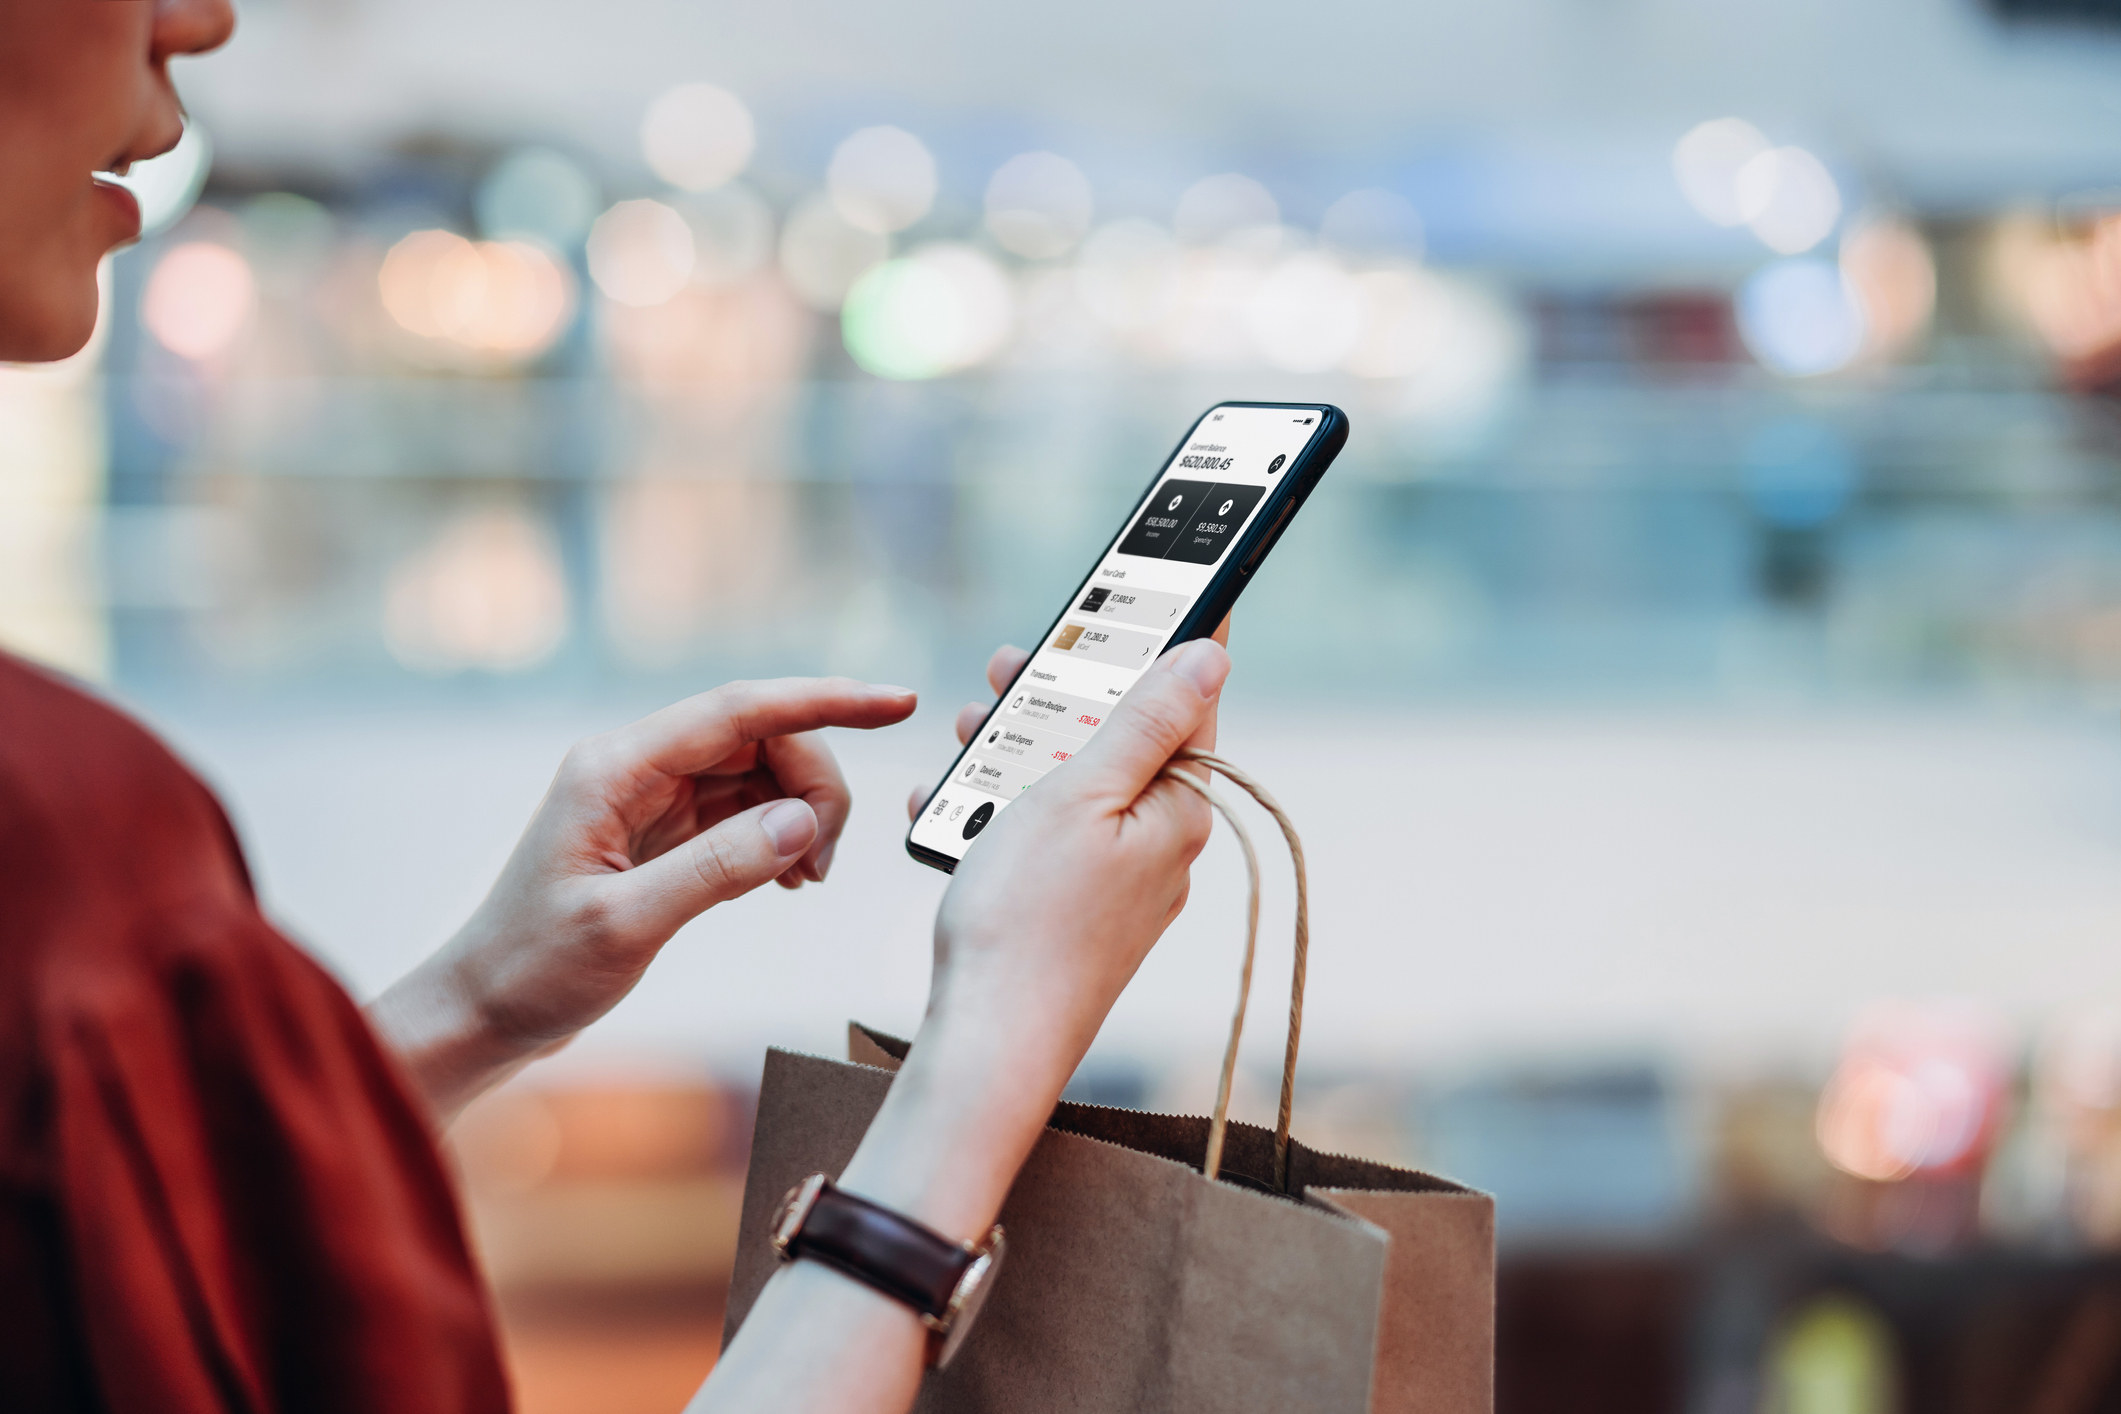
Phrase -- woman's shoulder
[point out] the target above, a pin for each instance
(53, 726)
(99, 816)
(159, 1037)
(66, 749)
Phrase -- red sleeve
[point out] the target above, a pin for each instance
(216, 1193)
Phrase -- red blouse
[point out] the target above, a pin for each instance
(216, 1191)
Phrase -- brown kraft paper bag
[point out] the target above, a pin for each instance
(1290, 1280)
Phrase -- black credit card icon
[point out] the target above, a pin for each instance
(1214, 523)
(1168, 513)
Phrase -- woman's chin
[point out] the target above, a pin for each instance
(47, 342)
(49, 319)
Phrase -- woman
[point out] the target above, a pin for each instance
(218, 1183)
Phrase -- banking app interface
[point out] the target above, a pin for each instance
(1136, 598)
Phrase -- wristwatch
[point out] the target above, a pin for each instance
(944, 1282)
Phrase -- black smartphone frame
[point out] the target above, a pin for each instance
(1282, 501)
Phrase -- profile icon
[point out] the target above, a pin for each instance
(1275, 465)
(1226, 506)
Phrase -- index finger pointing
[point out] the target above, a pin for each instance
(688, 737)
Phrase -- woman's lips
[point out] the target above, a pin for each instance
(124, 207)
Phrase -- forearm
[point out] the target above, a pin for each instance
(433, 1021)
(944, 1149)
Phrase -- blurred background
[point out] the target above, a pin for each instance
(1697, 682)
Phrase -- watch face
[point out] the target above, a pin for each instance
(970, 1296)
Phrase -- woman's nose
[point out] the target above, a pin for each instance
(192, 26)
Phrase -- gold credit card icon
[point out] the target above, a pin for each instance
(1067, 637)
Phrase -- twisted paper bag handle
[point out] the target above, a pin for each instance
(1212, 1166)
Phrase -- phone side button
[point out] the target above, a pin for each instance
(1267, 541)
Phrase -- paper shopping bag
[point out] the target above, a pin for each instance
(1289, 1280)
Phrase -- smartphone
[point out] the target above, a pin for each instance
(1185, 553)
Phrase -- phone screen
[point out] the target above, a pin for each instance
(1121, 617)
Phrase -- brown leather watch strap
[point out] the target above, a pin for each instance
(896, 1255)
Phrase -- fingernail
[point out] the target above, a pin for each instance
(1204, 664)
(824, 860)
(889, 690)
(790, 827)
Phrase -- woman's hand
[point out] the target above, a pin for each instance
(1041, 928)
(643, 829)
(1002, 668)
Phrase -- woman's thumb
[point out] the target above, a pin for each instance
(1160, 714)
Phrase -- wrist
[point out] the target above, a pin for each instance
(961, 1117)
(437, 1021)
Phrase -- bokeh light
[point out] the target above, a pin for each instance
(1220, 207)
(1835, 1354)
(488, 593)
(1455, 347)
(732, 233)
(527, 300)
(2067, 286)
(1888, 267)
(2080, 1062)
(431, 282)
(745, 336)
(682, 551)
(1915, 1092)
(882, 179)
(199, 298)
(1371, 224)
(1407, 316)
(1127, 274)
(1799, 318)
(823, 254)
(1707, 162)
(641, 252)
(945, 307)
(1307, 314)
(538, 194)
(166, 186)
(1039, 205)
(1789, 199)
(697, 136)
(1211, 325)
(508, 299)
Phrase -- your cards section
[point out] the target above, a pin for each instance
(1121, 620)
